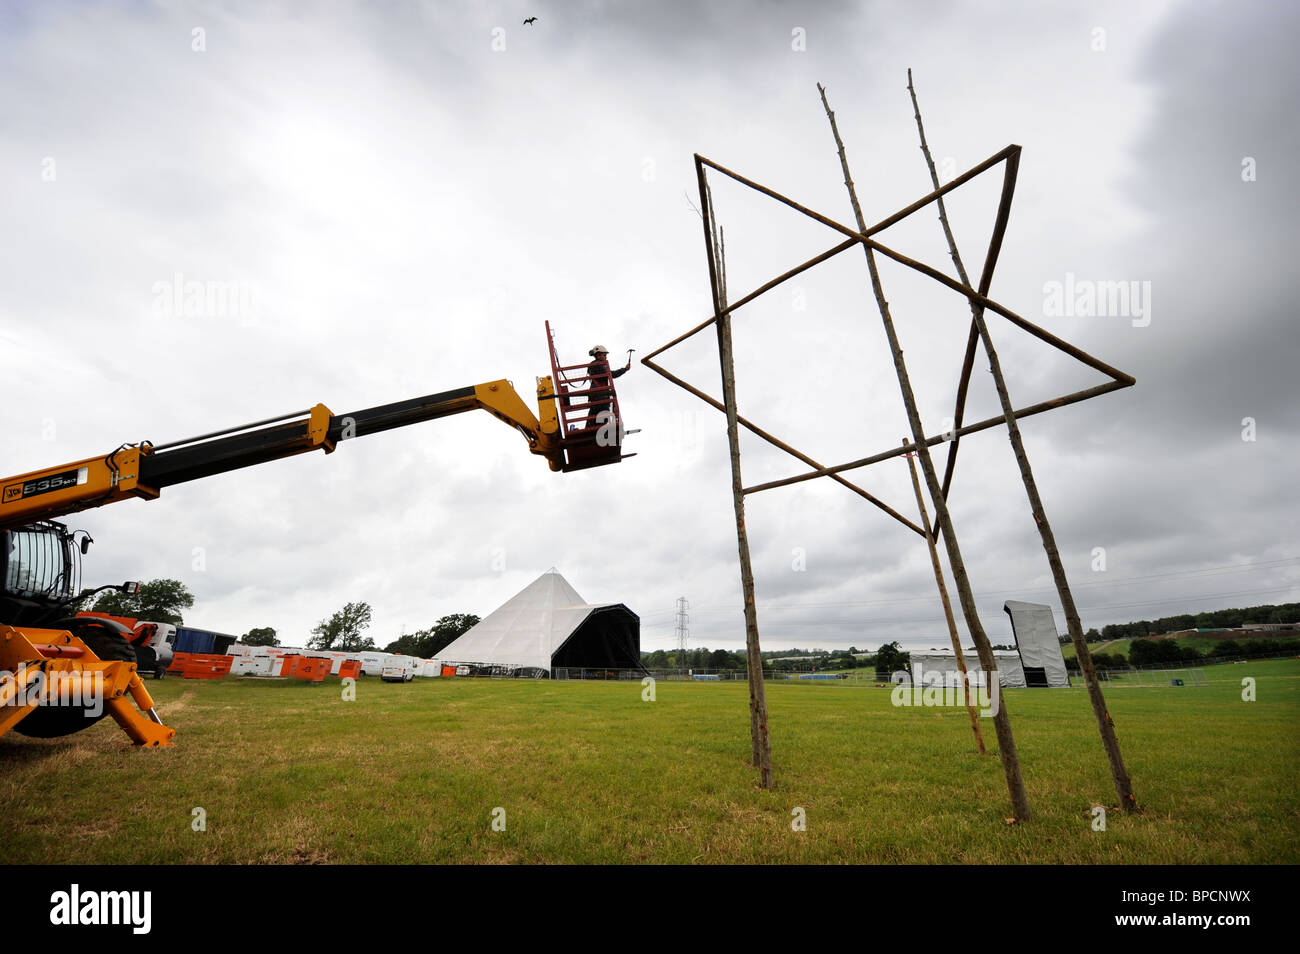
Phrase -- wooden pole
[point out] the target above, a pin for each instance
(760, 743)
(947, 606)
(1106, 725)
(1001, 721)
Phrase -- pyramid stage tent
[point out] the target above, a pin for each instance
(547, 626)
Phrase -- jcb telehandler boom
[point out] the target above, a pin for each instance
(60, 673)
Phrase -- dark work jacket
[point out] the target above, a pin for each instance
(597, 368)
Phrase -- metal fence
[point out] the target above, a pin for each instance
(1146, 678)
(1141, 676)
(864, 677)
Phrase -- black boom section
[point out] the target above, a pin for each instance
(164, 468)
(219, 455)
(387, 416)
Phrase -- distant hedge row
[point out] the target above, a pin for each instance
(1215, 619)
(1149, 652)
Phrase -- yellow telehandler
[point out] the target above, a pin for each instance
(60, 673)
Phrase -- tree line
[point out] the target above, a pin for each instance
(163, 600)
(1157, 652)
(1213, 619)
(885, 661)
(343, 632)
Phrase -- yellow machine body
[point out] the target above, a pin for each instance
(41, 666)
(49, 667)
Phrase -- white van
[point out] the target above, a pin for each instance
(398, 669)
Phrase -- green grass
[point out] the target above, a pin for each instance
(588, 772)
(1110, 646)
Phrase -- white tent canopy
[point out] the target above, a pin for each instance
(541, 621)
(1010, 673)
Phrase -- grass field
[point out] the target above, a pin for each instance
(1110, 646)
(588, 772)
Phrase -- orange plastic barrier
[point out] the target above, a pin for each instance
(205, 665)
(351, 669)
(449, 670)
(311, 670)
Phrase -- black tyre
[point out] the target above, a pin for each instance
(53, 721)
(146, 661)
(108, 646)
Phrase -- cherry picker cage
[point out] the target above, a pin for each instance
(591, 423)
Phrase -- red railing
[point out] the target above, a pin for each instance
(591, 430)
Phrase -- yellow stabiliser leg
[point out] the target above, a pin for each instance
(53, 668)
(142, 725)
(13, 694)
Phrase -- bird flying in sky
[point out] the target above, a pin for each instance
(530, 20)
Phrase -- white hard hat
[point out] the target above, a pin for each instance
(599, 349)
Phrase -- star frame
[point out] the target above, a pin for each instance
(1009, 158)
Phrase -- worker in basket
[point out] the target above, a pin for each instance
(601, 377)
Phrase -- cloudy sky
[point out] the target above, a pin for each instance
(403, 193)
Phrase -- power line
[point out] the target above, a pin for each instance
(683, 631)
(1091, 609)
(1229, 568)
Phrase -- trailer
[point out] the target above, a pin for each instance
(372, 664)
(189, 639)
(250, 665)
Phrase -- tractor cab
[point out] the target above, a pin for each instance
(40, 572)
(590, 422)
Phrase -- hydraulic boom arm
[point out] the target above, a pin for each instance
(144, 470)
